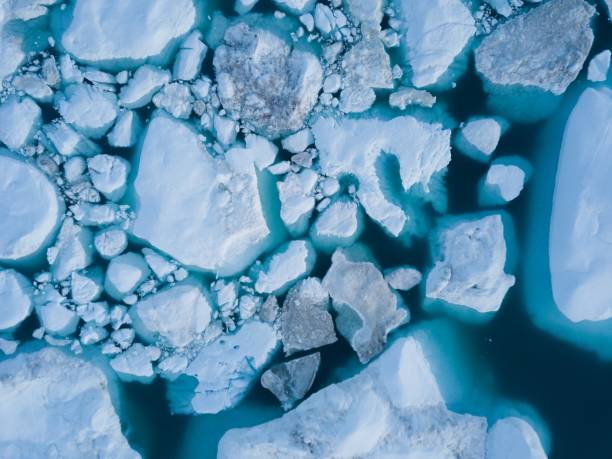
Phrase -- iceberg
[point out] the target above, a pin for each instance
(206, 212)
(580, 245)
(68, 410)
(30, 209)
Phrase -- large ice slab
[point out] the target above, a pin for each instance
(30, 209)
(544, 48)
(391, 407)
(354, 147)
(55, 405)
(580, 244)
(76, 108)
(435, 33)
(470, 257)
(19, 121)
(205, 212)
(264, 82)
(106, 31)
(367, 308)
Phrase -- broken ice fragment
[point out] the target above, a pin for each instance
(305, 321)
(367, 308)
(68, 410)
(296, 194)
(478, 138)
(176, 99)
(126, 131)
(226, 369)
(75, 106)
(145, 82)
(189, 57)
(86, 287)
(403, 277)
(175, 316)
(340, 224)
(53, 313)
(124, 274)
(19, 120)
(599, 66)
(514, 438)
(404, 97)
(135, 363)
(109, 175)
(290, 381)
(118, 32)
(504, 181)
(543, 48)
(289, 263)
(110, 242)
(15, 299)
(30, 209)
(470, 256)
(265, 83)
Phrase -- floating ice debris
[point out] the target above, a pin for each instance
(19, 120)
(86, 287)
(226, 369)
(174, 316)
(299, 141)
(265, 83)
(367, 308)
(478, 137)
(305, 321)
(189, 57)
(76, 104)
(8, 346)
(599, 66)
(392, 406)
(110, 242)
(205, 212)
(435, 32)
(30, 209)
(580, 247)
(470, 256)
(289, 263)
(126, 131)
(513, 438)
(67, 142)
(340, 224)
(404, 97)
(68, 409)
(296, 194)
(176, 99)
(296, 7)
(543, 48)
(369, 12)
(145, 82)
(53, 312)
(290, 381)
(15, 299)
(109, 175)
(504, 181)
(124, 274)
(135, 364)
(108, 33)
(353, 147)
(403, 277)
(34, 86)
(159, 264)
(73, 250)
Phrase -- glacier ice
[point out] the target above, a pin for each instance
(68, 410)
(470, 257)
(580, 251)
(543, 48)
(30, 209)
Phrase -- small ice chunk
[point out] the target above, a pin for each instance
(124, 274)
(305, 321)
(109, 175)
(296, 7)
(299, 141)
(369, 12)
(244, 6)
(226, 368)
(296, 192)
(502, 183)
(15, 299)
(435, 32)
(7, 346)
(135, 364)
(126, 131)
(256, 69)
(69, 70)
(599, 66)
(367, 64)
(145, 82)
(109, 32)
(158, 264)
(324, 18)
(514, 438)
(96, 313)
(189, 57)
(89, 214)
(175, 316)
(68, 411)
(470, 256)
(92, 334)
(404, 97)
(110, 242)
(543, 48)
(67, 142)
(30, 209)
(53, 313)
(172, 366)
(367, 308)
(502, 7)
(176, 99)
(479, 137)
(332, 83)
(19, 120)
(356, 99)
(403, 277)
(340, 224)
(289, 263)
(353, 147)
(225, 129)
(76, 108)
(34, 86)
(290, 381)
(86, 287)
